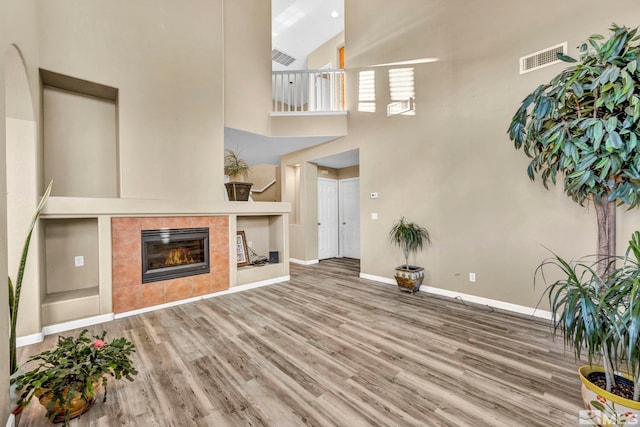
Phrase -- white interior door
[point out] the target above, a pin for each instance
(328, 218)
(349, 212)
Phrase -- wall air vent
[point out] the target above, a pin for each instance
(542, 58)
(281, 57)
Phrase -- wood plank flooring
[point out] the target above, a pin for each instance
(330, 349)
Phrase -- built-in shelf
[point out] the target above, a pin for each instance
(253, 274)
(71, 269)
(75, 294)
(62, 307)
(264, 234)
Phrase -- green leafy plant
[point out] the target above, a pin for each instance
(234, 166)
(75, 367)
(409, 237)
(583, 126)
(15, 290)
(599, 316)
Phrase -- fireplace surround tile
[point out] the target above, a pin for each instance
(128, 291)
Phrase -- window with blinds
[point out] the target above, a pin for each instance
(402, 92)
(367, 91)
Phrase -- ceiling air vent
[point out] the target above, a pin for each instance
(281, 57)
(542, 58)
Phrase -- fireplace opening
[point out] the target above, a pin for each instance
(172, 253)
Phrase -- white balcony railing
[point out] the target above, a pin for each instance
(304, 91)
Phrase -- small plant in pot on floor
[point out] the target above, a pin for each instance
(67, 377)
(410, 237)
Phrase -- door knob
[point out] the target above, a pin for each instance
(318, 223)
(344, 223)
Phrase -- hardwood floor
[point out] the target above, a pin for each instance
(330, 349)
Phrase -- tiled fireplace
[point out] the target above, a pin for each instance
(129, 291)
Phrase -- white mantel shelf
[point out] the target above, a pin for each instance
(70, 207)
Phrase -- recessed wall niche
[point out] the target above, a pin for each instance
(80, 138)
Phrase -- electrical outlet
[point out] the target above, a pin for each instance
(78, 261)
(374, 215)
(249, 243)
(472, 277)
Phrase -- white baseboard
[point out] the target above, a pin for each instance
(62, 327)
(75, 324)
(156, 307)
(231, 290)
(377, 278)
(241, 288)
(302, 262)
(29, 339)
(521, 309)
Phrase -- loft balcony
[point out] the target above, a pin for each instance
(308, 103)
(308, 92)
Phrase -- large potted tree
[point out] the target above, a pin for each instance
(237, 169)
(582, 127)
(410, 237)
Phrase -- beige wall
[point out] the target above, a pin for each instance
(309, 125)
(451, 167)
(262, 175)
(247, 65)
(80, 145)
(64, 240)
(4, 311)
(350, 172)
(327, 53)
(166, 60)
(17, 27)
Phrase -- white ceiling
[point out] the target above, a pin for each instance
(298, 28)
(257, 149)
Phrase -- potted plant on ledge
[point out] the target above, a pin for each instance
(236, 168)
(66, 378)
(409, 237)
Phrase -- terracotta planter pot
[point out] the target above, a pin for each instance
(409, 278)
(604, 408)
(78, 405)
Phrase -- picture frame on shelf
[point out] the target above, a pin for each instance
(242, 250)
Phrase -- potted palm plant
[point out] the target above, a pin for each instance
(66, 379)
(237, 169)
(601, 317)
(410, 237)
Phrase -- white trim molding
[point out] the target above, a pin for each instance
(231, 290)
(303, 262)
(75, 324)
(62, 327)
(502, 305)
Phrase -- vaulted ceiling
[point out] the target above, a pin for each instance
(298, 28)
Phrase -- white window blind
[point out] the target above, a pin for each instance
(367, 91)
(401, 84)
(402, 91)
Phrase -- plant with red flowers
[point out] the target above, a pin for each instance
(66, 378)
